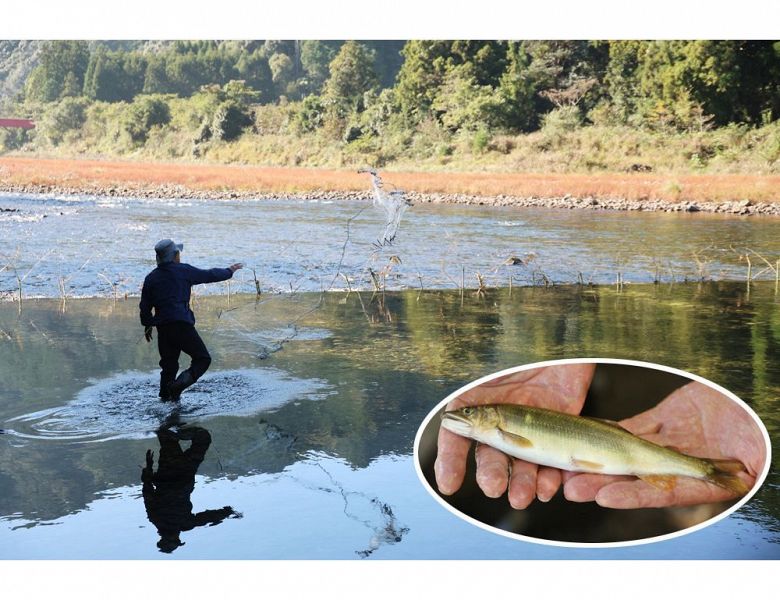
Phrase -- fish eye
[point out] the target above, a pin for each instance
(468, 411)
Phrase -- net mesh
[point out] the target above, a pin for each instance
(392, 204)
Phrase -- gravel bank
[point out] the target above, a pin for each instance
(736, 207)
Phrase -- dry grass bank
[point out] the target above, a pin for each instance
(92, 175)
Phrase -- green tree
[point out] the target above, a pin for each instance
(351, 75)
(380, 114)
(463, 104)
(567, 73)
(229, 120)
(316, 57)
(144, 113)
(67, 115)
(60, 71)
(388, 59)
(518, 88)
(621, 79)
(253, 68)
(423, 70)
(487, 57)
(310, 115)
(114, 76)
(156, 77)
(684, 81)
(282, 73)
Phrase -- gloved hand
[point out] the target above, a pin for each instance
(148, 333)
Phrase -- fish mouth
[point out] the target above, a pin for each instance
(456, 422)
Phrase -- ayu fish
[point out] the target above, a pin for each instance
(586, 445)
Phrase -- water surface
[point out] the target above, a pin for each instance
(312, 404)
(100, 246)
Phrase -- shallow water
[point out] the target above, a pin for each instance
(312, 404)
(98, 246)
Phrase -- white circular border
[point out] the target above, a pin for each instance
(569, 361)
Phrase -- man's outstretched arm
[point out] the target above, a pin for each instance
(197, 276)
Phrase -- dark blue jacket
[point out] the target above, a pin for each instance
(167, 290)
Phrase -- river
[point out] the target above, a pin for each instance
(87, 246)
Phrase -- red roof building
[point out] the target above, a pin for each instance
(18, 123)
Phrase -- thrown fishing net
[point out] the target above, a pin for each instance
(393, 204)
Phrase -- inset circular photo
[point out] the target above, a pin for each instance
(592, 452)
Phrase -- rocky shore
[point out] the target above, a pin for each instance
(736, 207)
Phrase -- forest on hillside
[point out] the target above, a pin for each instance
(391, 99)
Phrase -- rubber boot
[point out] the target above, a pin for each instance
(165, 395)
(183, 381)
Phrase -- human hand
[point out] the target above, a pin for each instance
(694, 419)
(235, 267)
(148, 333)
(148, 471)
(560, 387)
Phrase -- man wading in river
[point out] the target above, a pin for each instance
(167, 290)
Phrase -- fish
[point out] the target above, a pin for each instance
(586, 445)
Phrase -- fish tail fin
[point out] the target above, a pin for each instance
(724, 474)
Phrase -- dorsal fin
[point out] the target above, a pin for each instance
(609, 422)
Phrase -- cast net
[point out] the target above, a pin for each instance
(391, 203)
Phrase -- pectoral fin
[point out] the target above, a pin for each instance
(515, 439)
(587, 465)
(662, 482)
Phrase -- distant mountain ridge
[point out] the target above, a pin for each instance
(17, 59)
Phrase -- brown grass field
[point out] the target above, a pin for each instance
(92, 175)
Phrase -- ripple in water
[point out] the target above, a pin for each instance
(126, 406)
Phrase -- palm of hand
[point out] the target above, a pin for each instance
(562, 388)
(696, 420)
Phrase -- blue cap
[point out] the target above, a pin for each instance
(166, 250)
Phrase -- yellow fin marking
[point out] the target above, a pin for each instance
(663, 482)
(514, 438)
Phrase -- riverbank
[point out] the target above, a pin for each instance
(736, 194)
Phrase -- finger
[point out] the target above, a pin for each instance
(569, 382)
(640, 494)
(492, 470)
(548, 480)
(583, 487)
(522, 484)
(450, 465)
(644, 424)
(633, 494)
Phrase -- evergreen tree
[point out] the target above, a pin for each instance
(316, 57)
(423, 70)
(518, 87)
(253, 68)
(60, 71)
(351, 75)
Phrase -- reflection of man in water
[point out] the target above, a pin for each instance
(167, 492)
